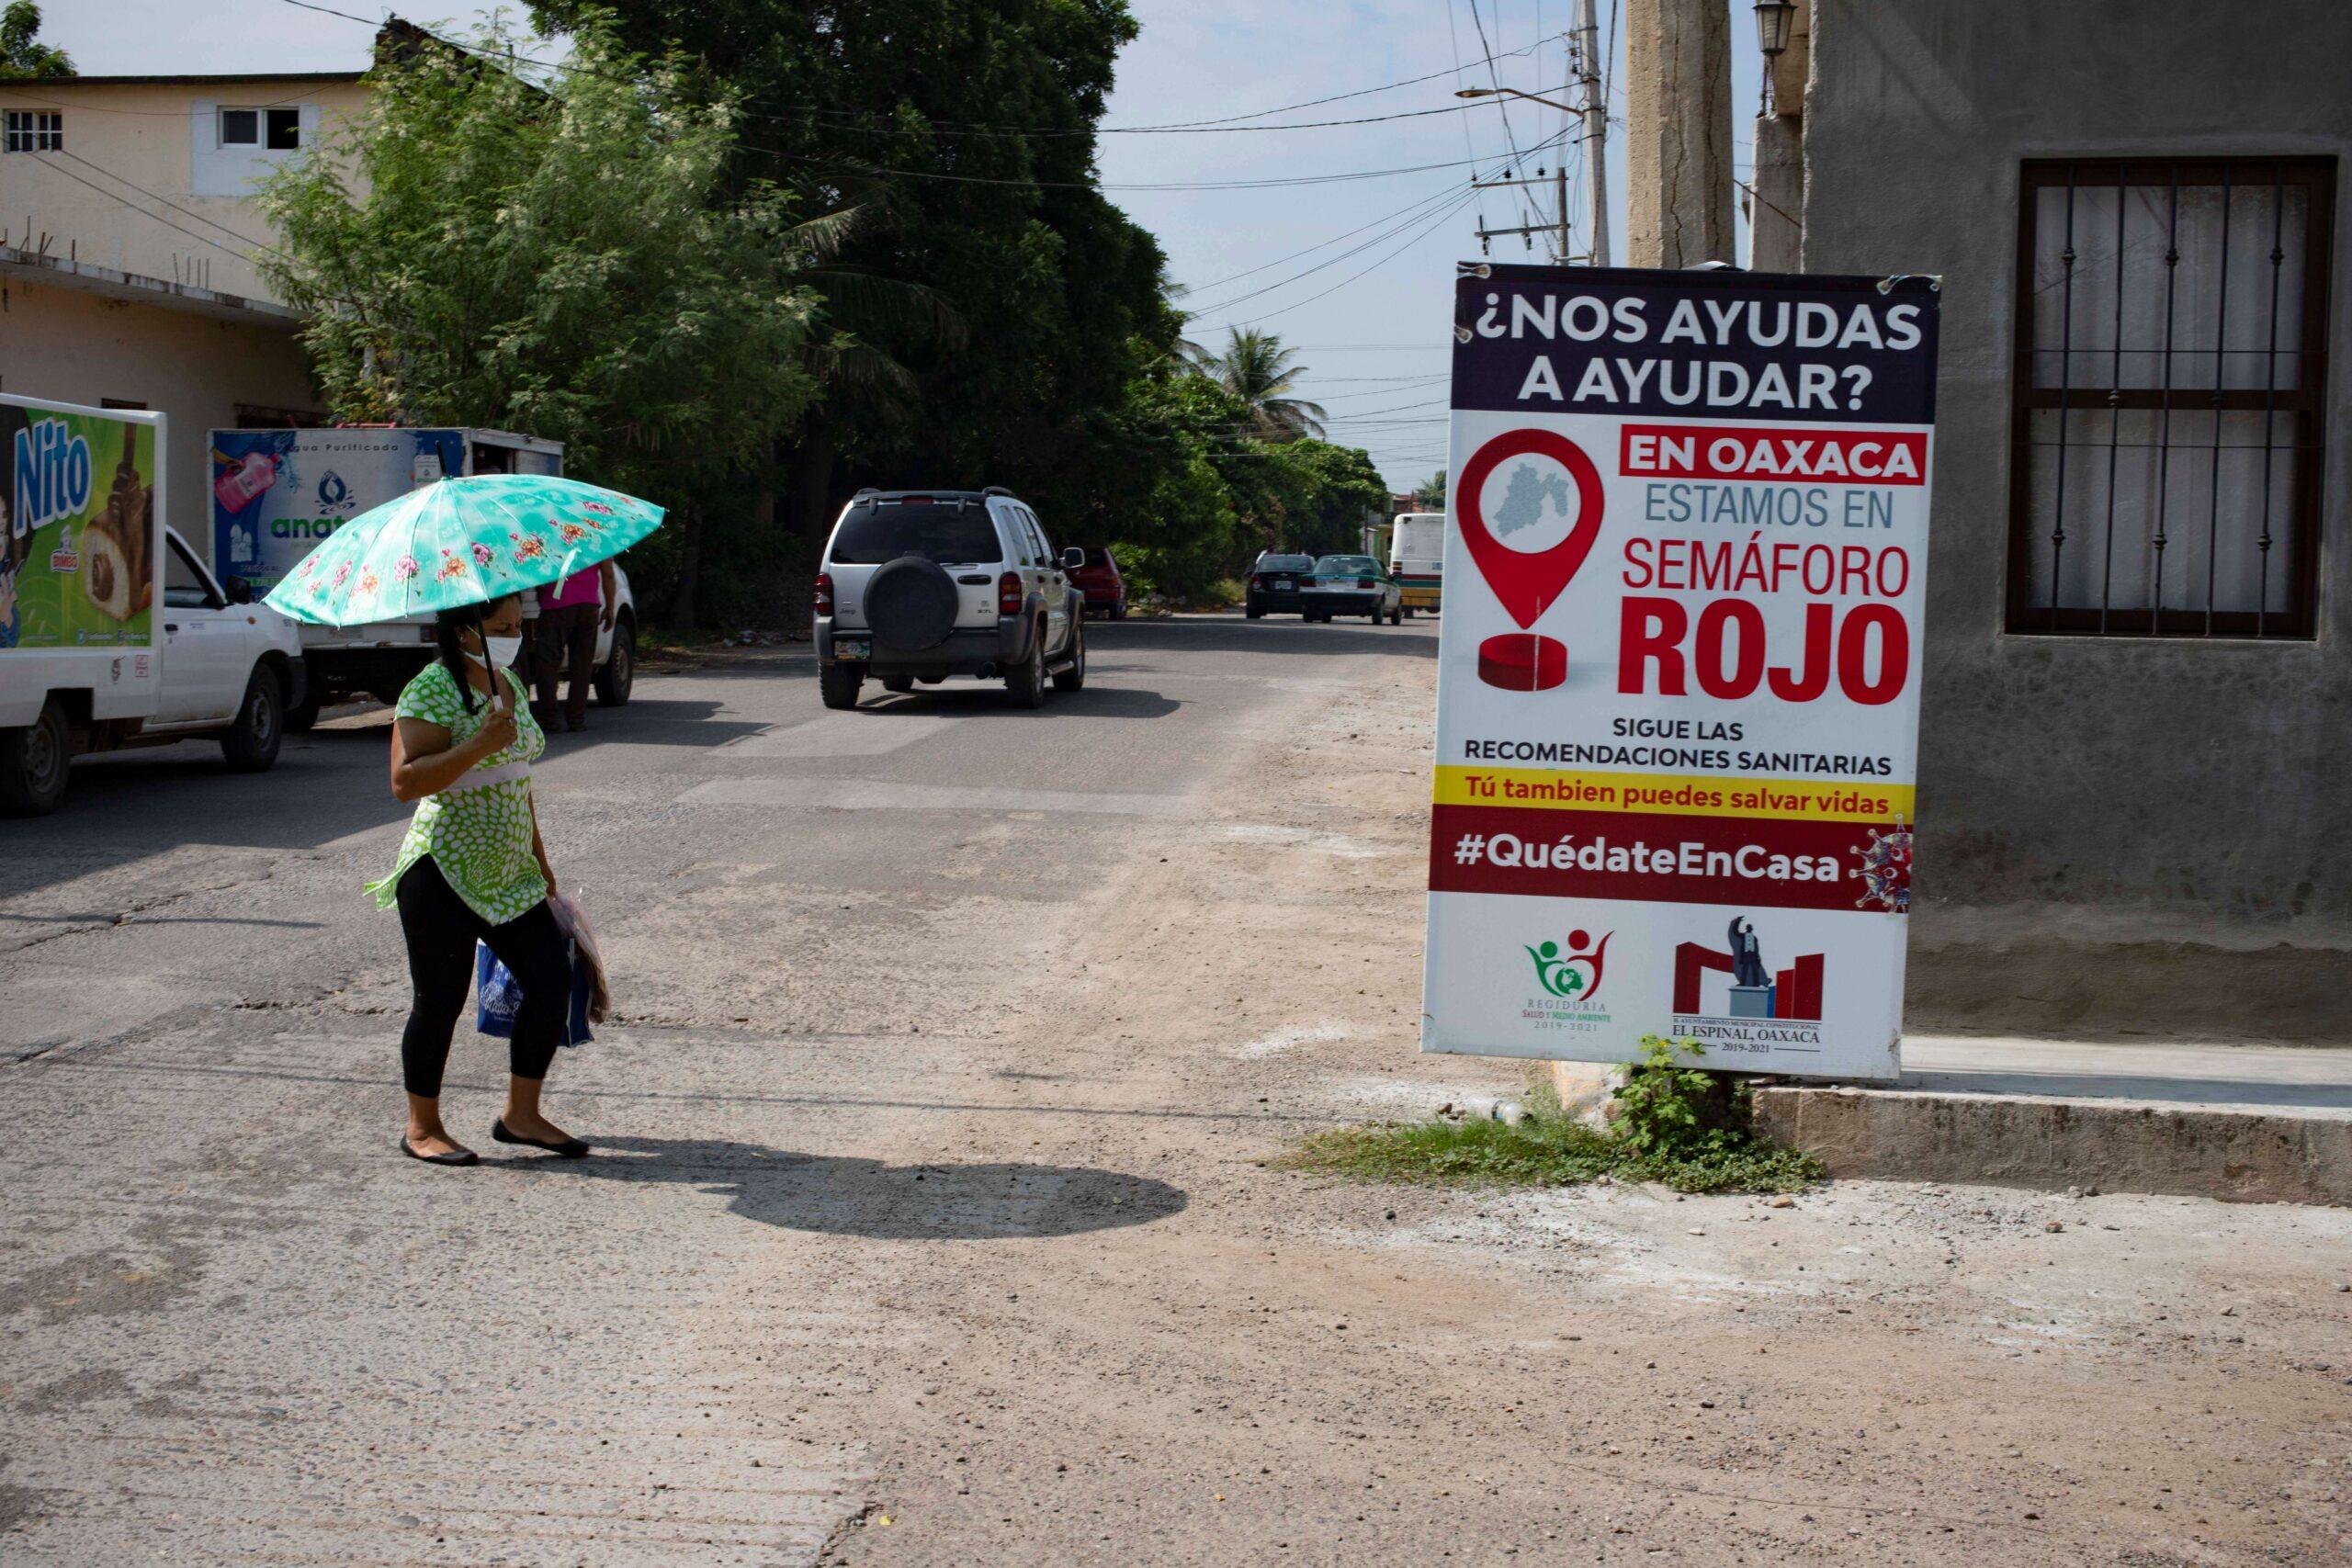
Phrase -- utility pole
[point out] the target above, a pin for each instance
(1596, 140)
(1556, 232)
(1678, 124)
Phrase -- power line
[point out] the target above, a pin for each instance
(83, 106)
(1443, 217)
(1236, 278)
(1502, 106)
(167, 201)
(152, 216)
(1155, 185)
(984, 128)
(1413, 215)
(1378, 392)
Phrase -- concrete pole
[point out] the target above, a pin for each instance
(1677, 131)
(1596, 134)
(1776, 238)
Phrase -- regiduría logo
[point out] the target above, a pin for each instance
(1569, 976)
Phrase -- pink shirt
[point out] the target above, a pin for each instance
(580, 588)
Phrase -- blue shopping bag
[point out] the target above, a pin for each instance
(496, 996)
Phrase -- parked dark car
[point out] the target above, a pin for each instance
(1276, 584)
(1099, 580)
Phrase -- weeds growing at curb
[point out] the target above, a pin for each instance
(1680, 1126)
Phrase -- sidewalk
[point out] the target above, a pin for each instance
(2245, 1122)
(2317, 1079)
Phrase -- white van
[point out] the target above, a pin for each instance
(1417, 558)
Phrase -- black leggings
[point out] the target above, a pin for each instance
(441, 931)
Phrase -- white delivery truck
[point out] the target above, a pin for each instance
(277, 492)
(1417, 558)
(112, 633)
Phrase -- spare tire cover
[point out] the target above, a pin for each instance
(910, 603)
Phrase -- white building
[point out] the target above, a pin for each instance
(127, 271)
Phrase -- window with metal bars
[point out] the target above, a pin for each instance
(33, 131)
(2168, 396)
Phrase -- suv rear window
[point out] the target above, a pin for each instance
(945, 532)
(1286, 563)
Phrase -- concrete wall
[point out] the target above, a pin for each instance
(2159, 804)
(139, 186)
(77, 347)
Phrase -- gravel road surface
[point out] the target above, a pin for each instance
(927, 1226)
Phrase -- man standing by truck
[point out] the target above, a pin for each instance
(569, 616)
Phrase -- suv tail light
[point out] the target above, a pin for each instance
(1009, 597)
(824, 593)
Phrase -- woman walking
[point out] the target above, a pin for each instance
(472, 868)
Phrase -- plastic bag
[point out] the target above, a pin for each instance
(496, 996)
(574, 922)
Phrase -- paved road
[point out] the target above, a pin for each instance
(244, 1329)
(929, 1222)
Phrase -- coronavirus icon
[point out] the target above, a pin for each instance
(1885, 870)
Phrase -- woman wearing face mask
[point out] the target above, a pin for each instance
(473, 866)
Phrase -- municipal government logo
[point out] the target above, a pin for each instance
(1570, 973)
(1569, 976)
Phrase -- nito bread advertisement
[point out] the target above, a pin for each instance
(77, 530)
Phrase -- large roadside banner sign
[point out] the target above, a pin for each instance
(1680, 666)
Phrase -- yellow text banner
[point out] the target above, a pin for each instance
(1675, 795)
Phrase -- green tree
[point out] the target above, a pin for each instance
(22, 54)
(1255, 367)
(966, 127)
(1344, 492)
(568, 259)
(1431, 494)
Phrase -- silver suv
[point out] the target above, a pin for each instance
(919, 585)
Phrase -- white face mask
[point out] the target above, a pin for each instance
(503, 651)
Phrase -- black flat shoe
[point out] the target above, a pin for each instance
(571, 1148)
(459, 1157)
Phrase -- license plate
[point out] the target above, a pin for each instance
(852, 648)
(1284, 583)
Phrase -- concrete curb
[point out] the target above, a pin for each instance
(2241, 1154)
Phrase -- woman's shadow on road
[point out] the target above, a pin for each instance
(831, 1195)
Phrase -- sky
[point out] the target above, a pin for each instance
(1356, 274)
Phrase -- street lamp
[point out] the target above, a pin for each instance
(1773, 18)
(1512, 93)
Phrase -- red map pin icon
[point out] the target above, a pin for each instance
(1527, 582)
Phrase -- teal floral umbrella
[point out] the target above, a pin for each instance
(460, 542)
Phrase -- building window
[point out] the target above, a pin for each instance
(278, 131)
(33, 131)
(2168, 396)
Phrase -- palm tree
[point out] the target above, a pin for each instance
(1257, 370)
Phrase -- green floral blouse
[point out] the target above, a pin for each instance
(477, 834)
